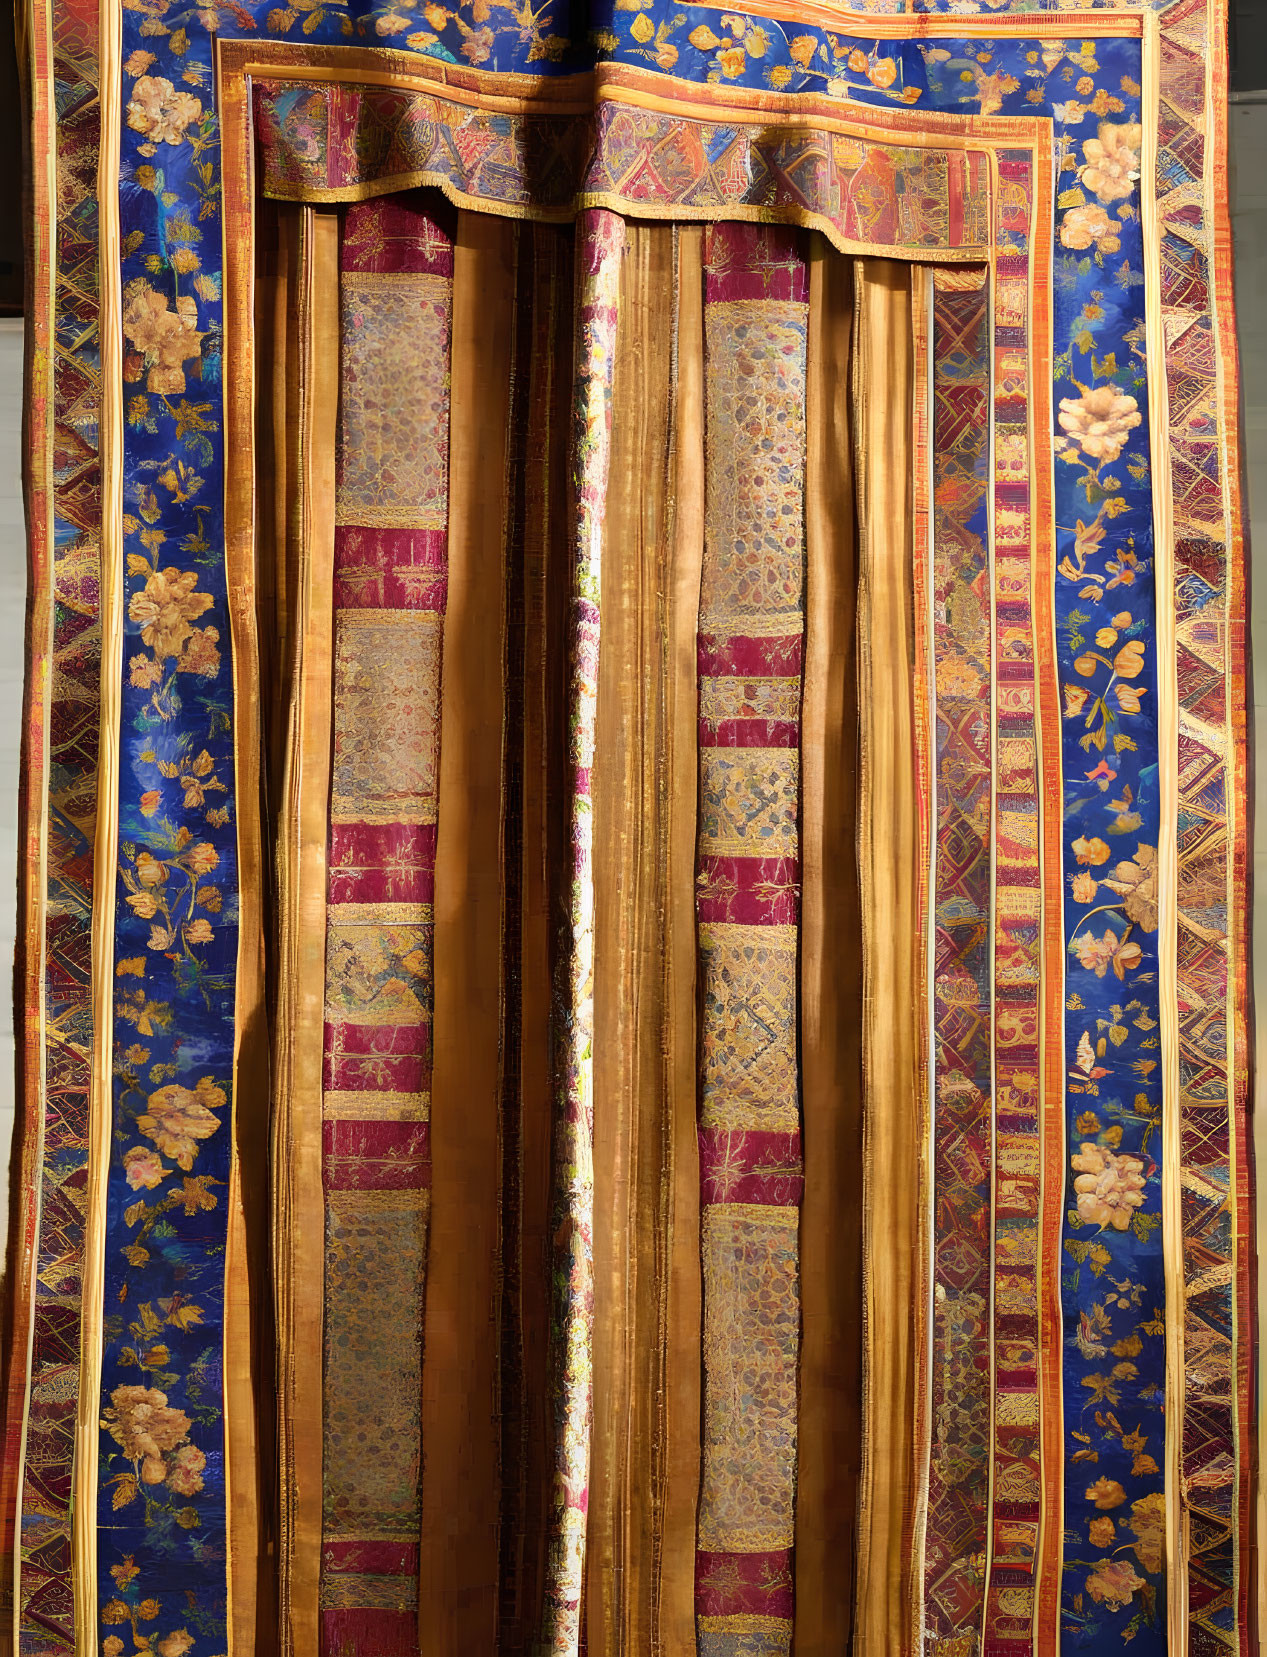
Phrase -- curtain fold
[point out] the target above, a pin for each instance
(586, 916)
(830, 1426)
(891, 876)
(645, 1426)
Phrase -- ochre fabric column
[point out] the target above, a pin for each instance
(461, 1487)
(683, 1380)
(305, 378)
(893, 969)
(829, 1428)
(644, 994)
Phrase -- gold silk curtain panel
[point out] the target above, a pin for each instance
(576, 835)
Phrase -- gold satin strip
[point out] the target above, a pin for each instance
(1172, 1228)
(537, 602)
(628, 1107)
(249, 1356)
(461, 1485)
(105, 848)
(644, 836)
(673, 1634)
(299, 1223)
(894, 1156)
(829, 1431)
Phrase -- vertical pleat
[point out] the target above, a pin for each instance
(459, 1561)
(644, 955)
(600, 242)
(829, 1432)
(893, 966)
(534, 853)
(674, 1631)
(305, 382)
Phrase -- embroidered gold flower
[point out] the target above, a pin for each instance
(1097, 955)
(1148, 1521)
(111, 1646)
(1085, 887)
(1075, 700)
(1091, 226)
(731, 62)
(144, 671)
(1129, 661)
(184, 1471)
(175, 1644)
(1101, 1533)
(1106, 1494)
(1110, 1188)
(201, 654)
(883, 72)
(143, 1424)
(163, 339)
(166, 607)
(202, 858)
(1100, 421)
(1093, 852)
(143, 1167)
(178, 1117)
(802, 49)
(1113, 1583)
(160, 111)
(1110, 162)
(1135, 882)
(149, 871)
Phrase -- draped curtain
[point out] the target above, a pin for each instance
(574, 896)
(634, 903)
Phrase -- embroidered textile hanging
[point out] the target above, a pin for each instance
(635, 966)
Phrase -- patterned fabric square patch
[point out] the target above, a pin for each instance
(376, 1246)
(748, 1031)
(743, 1637)
(377, 974)
(756, 419)
(387, 740)
(395, 388)
(748, 801)
(751, 1338)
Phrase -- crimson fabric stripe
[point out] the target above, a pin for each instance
(748, 901)
(389, 598)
